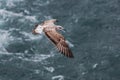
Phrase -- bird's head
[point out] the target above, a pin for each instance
(38, 29)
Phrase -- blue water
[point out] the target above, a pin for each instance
(93, 32)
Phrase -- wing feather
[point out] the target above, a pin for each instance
(60, 42)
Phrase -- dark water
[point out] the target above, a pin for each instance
(93, 31)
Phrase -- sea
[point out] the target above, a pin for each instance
(92, 32)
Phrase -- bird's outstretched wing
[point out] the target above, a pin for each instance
(60, 42)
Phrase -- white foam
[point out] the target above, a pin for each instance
(42, 2)
(41, 58)
(45, 3)
(95, 65)
(38, 57)
(50, 69)
(30, 36)
(31, 18)
(11, 3)
(37, 71)
(59, 77)
(4, 13)
(26, 11)
(75, 18)
(5, 38)
(83, 73)
(9, 14)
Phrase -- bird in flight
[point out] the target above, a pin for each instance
(49, 28)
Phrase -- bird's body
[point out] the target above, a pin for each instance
(50, 30)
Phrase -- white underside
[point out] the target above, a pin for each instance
(39, 29)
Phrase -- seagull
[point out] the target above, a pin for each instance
(49, 28)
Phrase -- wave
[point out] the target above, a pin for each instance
(50, 69)
(38, 71)
(7, 39)
(27, 35)
(11, 3)
(5, 14)
(30, 36)
(39, 57)
(42, 2)
(59, 77)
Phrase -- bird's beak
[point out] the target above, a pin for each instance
(64, 30)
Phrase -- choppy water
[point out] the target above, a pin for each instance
(93, 31)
